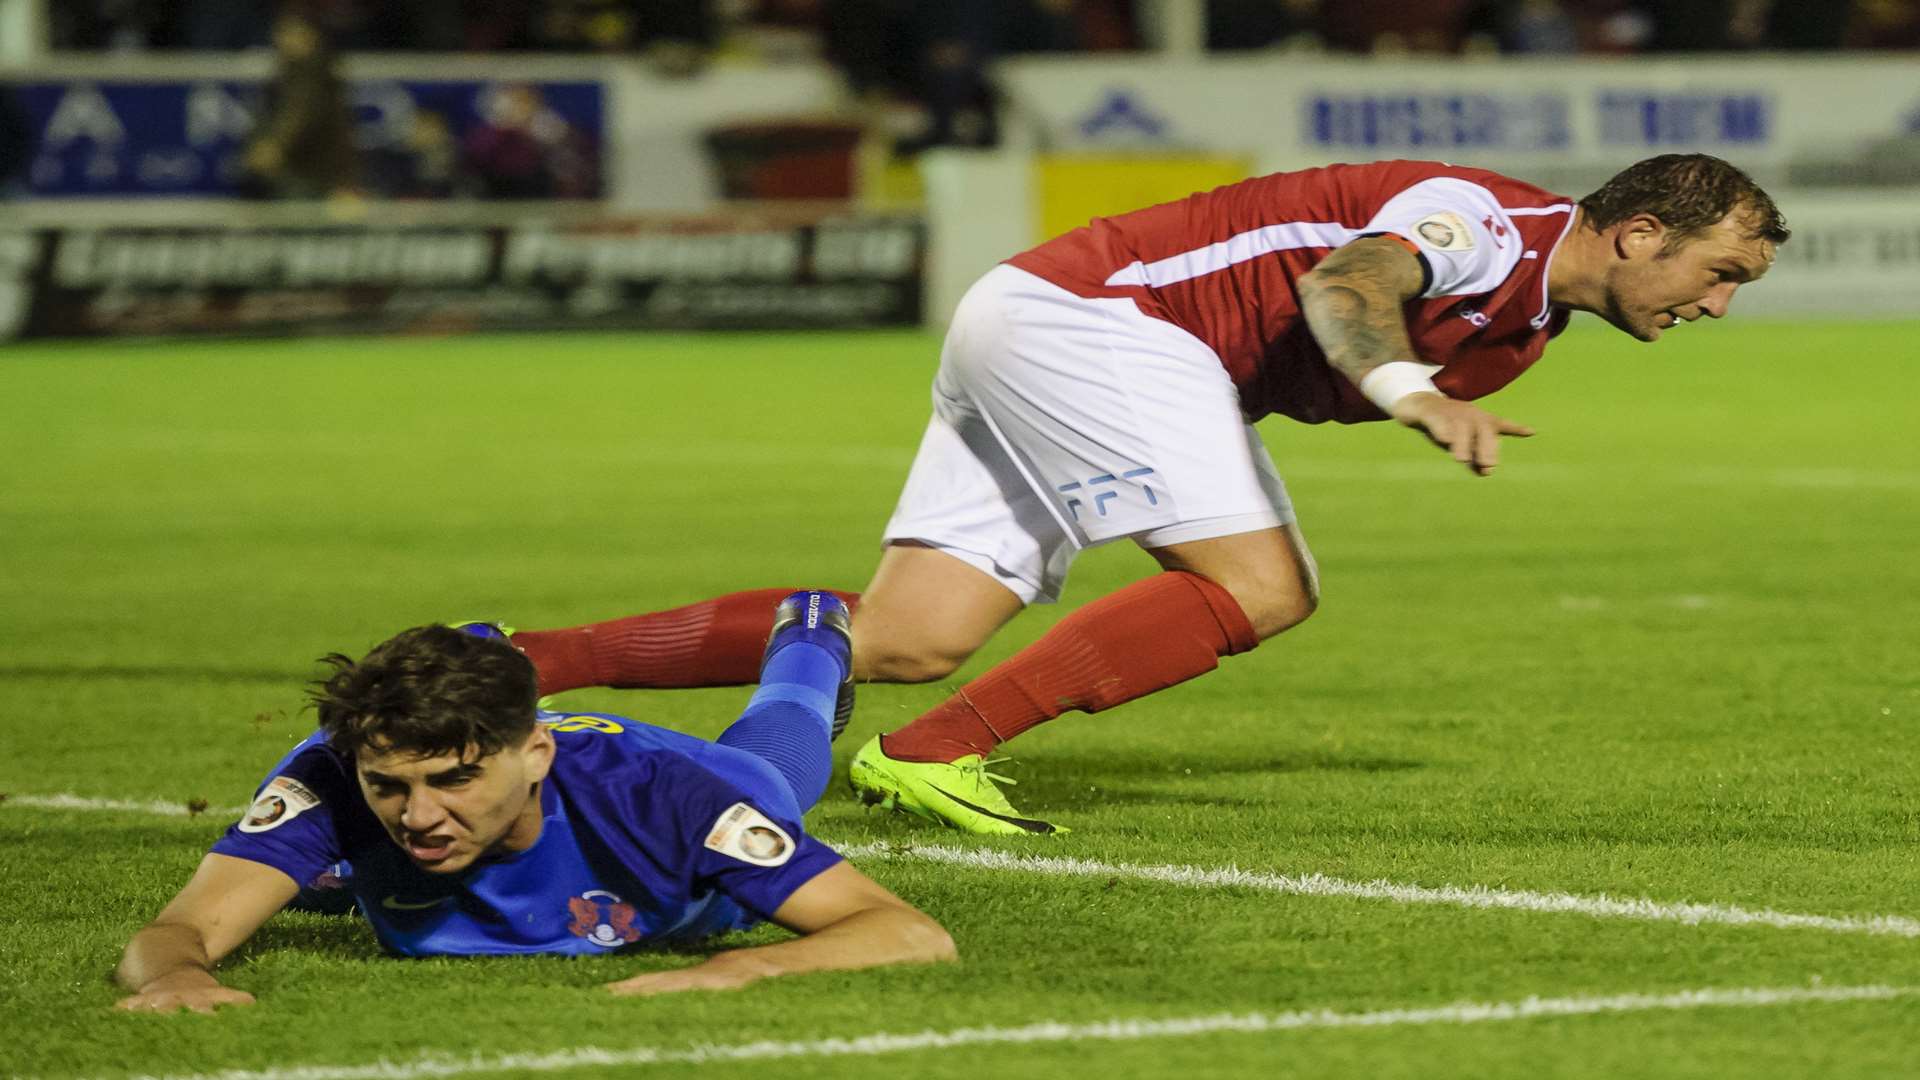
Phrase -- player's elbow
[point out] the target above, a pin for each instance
(895, 932)
(928, 942)
(912, 936)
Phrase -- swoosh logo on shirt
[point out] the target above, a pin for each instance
(394, 903)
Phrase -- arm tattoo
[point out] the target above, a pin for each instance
(1352, 302)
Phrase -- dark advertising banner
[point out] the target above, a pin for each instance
(187, 137)
(700, 274)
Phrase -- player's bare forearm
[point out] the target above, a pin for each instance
(1354, 300)
(875, 937)
(169, 963)
(160, 950)
(167, 967)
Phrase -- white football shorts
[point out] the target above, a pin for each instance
(1061, 422)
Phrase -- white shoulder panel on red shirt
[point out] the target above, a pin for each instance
(1466, 235)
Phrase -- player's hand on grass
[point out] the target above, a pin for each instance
(194, 990)
(699, 977)
(1465, 430)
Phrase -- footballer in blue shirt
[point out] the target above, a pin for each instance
(463, 820)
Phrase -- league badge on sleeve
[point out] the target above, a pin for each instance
(1443, 231)
(282, 800)
(748, 835)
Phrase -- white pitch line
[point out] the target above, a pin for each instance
(64, 801)
(1118, 1029)
(1475, 896)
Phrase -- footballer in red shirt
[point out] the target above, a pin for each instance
(1104, 385)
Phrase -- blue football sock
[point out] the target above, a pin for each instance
(789, 721)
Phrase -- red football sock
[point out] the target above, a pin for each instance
(716, 642)
(1146, 637)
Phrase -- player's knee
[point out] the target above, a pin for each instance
(1273, 605)
(894, 663)
(1272, 616)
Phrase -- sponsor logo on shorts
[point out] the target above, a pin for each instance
(1101, 490)
(282, 800)
(743, 833)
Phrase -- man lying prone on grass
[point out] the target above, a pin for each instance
(464, 821)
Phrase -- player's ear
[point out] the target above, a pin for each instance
(538, 753)
(1641, 236)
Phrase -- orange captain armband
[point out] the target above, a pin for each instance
(1403, 242)
(1426, 267)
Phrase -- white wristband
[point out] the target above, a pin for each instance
(1387, 384)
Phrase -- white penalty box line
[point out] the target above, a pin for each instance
(1475, 896)
(1601, 906)
(1118, 1029)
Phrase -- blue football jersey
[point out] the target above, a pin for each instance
(649, 836)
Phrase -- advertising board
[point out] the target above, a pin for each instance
(1540, 119)
(173, 137)
(695, 273)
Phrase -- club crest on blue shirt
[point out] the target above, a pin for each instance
(282, 800)
(750, 836)
(602, 918)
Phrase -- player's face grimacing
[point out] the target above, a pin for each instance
(1653, 288)
(448, 811)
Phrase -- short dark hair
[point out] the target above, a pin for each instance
(1689, 193)
(431, 690)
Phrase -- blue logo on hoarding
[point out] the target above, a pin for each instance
(185, 136)
(1120, 114)
(1641, 118)
(1435, 122)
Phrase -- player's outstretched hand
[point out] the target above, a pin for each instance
(200, 999)
(1465, 430)
(698, 977)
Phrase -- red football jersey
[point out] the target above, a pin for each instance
(1223, 265)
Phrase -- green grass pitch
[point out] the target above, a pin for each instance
(1667, 652)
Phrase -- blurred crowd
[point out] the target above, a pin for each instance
(877, 34)
(518, 147)
(1563, 26)
(390, 25)
(926, 60)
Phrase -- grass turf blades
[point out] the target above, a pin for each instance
(1666, 651)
